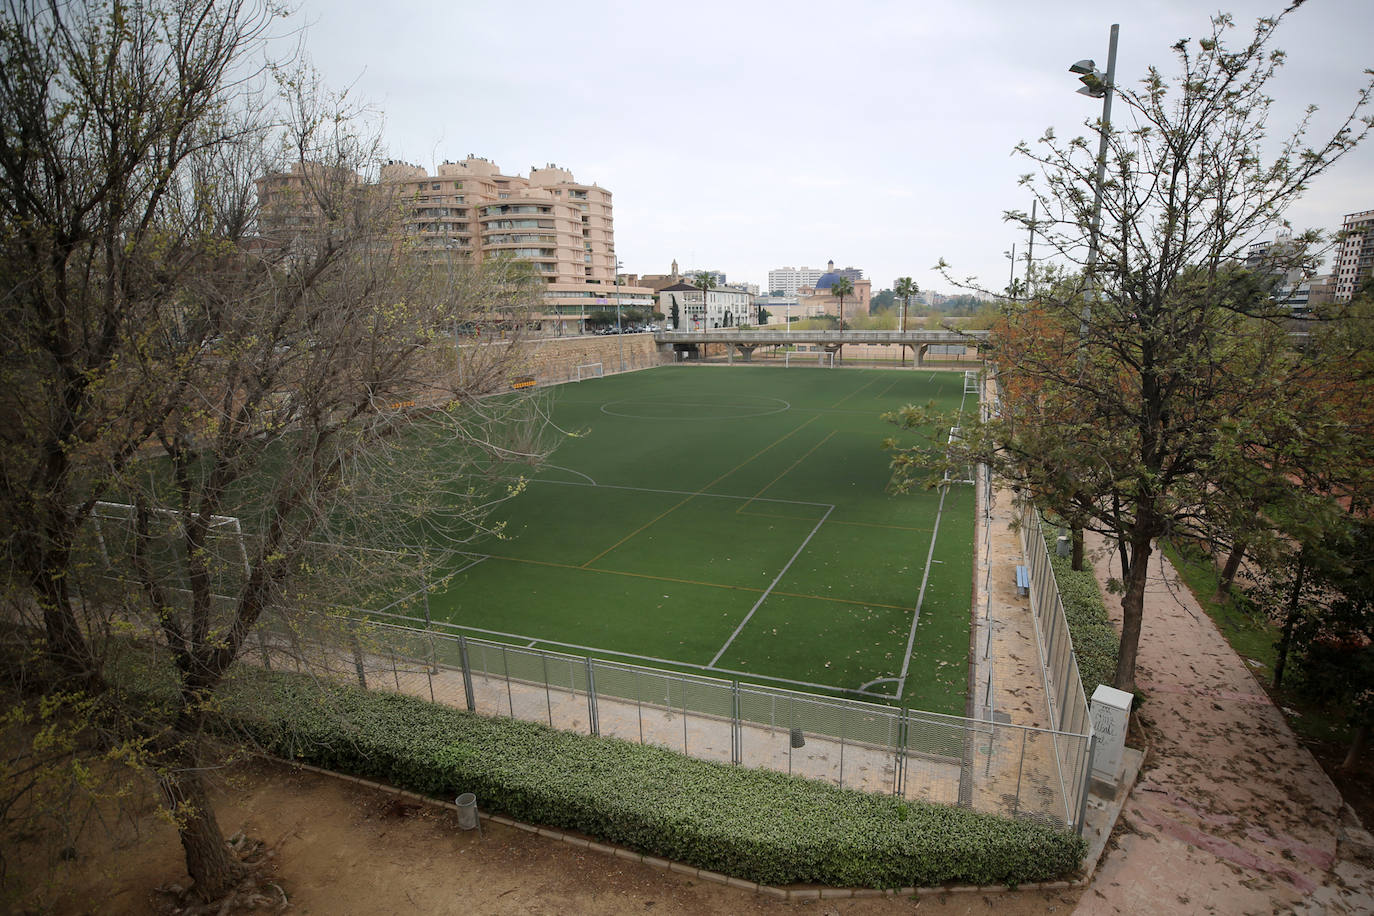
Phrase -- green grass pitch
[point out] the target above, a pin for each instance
(734, 522)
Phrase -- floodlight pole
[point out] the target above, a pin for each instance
(619, 334)
(1109, 88)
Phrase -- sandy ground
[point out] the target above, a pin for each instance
(344, 849)
(1231, 814)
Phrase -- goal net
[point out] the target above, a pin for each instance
(589, 370)
(113, 526)
(824, 358)
(955, 450)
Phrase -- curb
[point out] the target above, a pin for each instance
(665, 865)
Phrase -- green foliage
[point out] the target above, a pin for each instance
(755, 824)
(1095, 640)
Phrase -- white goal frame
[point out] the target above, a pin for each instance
(805, 358)
(598, 373)
(112, 510)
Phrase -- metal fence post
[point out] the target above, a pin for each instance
(467, 674)
(899, 769)
(684, 717)
(1020, 765)
(639, 708)
(593, 724)
(1087, 781)
(841, 747)
(548, 694)
(736, 731)
(505, 666)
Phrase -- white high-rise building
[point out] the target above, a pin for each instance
(791, 279)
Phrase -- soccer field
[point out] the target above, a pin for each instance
(734, 522)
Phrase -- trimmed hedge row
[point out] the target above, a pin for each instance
(753, 824)
(1095, 640)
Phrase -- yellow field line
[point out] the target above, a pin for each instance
(744, 505)
(736, 588)
(632, 575)
(876, 525)
(692, 496)
(890, 387)
(799, 518)
(852, 393)
(889, 607)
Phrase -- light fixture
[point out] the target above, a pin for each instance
(1093, 80)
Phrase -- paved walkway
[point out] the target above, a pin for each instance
(1231, 813)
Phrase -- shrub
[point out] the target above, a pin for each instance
(1095, 640)
(754, 824)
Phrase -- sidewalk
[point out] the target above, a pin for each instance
(1231, 814)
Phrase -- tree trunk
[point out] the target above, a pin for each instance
(1132, 614)
(1121, 546)
(208, 861)
(1076, 534)
(1290, 620)
(1228, 572)
(1357, 742)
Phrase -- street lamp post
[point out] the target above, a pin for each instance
(1097, 85)
(619, 332)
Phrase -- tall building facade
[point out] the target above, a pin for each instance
(563, 228)
(791, 279)
(1355, 256)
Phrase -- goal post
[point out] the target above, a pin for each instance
(589, 370)
(825, 358)
(113, 511)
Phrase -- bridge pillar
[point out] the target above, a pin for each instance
(747, 351)
(921, 350)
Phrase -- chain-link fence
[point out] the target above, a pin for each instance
(1064, 685)
(986, 765)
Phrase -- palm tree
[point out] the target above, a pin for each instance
(843, 287)
(704, 282)
(905, 289)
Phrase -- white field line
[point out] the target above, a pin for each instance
(921, 596)
(925, 578)
(768, 591)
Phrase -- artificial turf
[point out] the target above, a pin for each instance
(693, 496)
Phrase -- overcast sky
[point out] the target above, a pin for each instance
(743, 136)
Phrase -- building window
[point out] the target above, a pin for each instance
(457, 186)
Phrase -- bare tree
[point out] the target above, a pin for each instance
(205, 423)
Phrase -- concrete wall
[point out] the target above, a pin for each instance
(553, 360)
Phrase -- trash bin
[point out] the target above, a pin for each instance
(798, 739)
(467, 811)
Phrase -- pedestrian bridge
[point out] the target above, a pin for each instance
(747, 341)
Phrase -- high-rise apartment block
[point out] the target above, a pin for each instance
(791, 279)
(563, 228)
(1355, 256)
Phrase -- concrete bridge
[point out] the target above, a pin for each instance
(747, 341)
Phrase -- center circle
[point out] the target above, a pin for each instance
(696, 407)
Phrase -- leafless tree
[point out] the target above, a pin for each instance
(206, 421)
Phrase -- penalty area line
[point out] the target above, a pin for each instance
(772, 585)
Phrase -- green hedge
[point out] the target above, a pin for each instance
(753, 824)
(1095, 640)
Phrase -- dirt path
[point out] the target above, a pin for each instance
(1231, 814)
(344, 850)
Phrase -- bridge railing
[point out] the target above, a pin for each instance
(736, 335)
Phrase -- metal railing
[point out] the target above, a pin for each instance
(1012, 770)
(1063, 684)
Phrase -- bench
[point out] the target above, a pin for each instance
(1023, 581)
